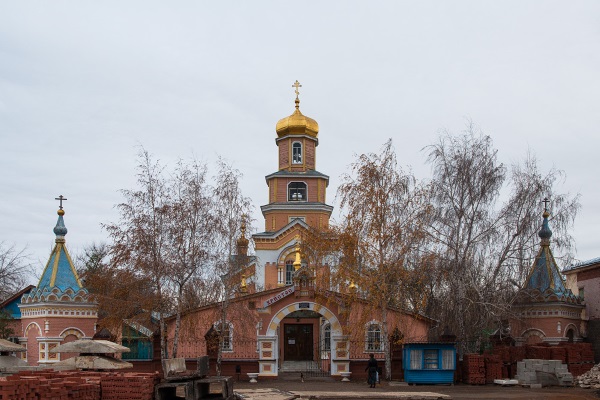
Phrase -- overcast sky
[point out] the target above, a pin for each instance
(83, 84)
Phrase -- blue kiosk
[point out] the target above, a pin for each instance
(429, 363)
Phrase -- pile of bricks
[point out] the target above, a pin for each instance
(558, 353)
(493, 367)
(538, 352)
(49, 385)
(129, 386)
(78, 385)
(580, 357)
(473, 369)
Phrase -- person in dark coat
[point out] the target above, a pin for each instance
(372, 370)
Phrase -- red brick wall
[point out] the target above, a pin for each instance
(284, 154)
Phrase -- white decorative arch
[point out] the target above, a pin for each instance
(533, 332)
(336, 327)
(32, 325)
(571, 326)
(285, 253)
(72, 331)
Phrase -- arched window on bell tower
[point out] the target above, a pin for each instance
(297, 153)
(297, 191)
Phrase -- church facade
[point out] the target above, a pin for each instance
(283, 314)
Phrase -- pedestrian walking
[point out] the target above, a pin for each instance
(372, 370)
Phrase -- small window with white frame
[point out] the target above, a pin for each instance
(296, 153)
(373, 339)
(227, 335)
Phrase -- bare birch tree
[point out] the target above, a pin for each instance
(191, 233)
(140, 237)
(385, 213)
(485, 248)
(231, 213)
(15, 266)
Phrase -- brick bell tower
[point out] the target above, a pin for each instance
(296, 198)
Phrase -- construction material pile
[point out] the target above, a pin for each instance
(473, 369)
(78, 385)
(544, 372)
(579, 357)
(591, 379)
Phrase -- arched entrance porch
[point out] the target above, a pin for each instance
(282, 336)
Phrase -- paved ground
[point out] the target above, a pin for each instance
(326, 388)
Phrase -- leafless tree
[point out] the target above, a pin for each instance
(15, 267)
(178, 229)
(231, 213)
(484, 248)
(385, 213)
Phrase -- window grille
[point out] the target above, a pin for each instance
(374, 337)
(430, 357)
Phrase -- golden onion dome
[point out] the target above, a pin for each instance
(297, 124)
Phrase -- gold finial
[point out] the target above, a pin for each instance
(298, 261)
(243, 227)
(243, 287)
(297, 85)
(352, 286)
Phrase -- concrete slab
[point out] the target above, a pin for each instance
(274, 394)
(264, 394)
(370, 395)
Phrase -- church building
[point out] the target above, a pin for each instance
(545, 310)
(56, 311)
(283, 317)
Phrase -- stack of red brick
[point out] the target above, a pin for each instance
(580, 357)
(129, 386)
(473, 369)
(493, 367)
(77, 385)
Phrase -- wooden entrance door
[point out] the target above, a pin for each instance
(298, 342)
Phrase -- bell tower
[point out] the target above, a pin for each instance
(297, 190)
(297, 195)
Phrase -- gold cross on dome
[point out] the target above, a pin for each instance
(297, 85)
(60, 198)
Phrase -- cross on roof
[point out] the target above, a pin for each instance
(546, 201)
(297, 85)
(60, 198)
